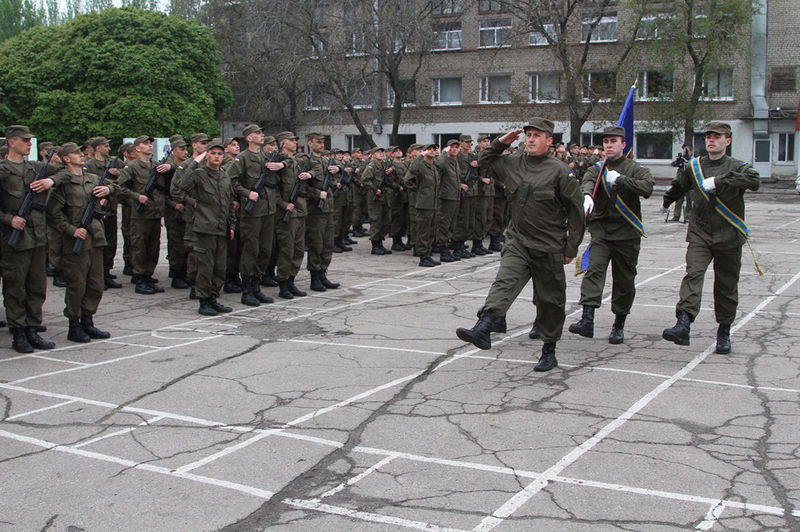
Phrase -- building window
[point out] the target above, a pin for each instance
(785, 147)
(447, 37)
(317, 98)
(357, 141)
(654, 85)
(718, 85)
(544, 87)
(447, 7)
(700, 27)
(495, 33)
(360, 95)
(592, 139)
(409, 90)
(447, 91)
(783, 79)
(653, 27)
(536, 38)
(600, 86)
(654, 145)
(495, 89)
(357, 43)
(604, 31)
(442, 138)
(487, 6)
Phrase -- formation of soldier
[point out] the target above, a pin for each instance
(242, 217)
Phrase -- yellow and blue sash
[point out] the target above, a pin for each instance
(626, 212)
(723, 210)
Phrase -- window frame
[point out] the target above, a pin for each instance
(585, 22)
(495, 29)
(448, 33)
(717, 72)
(643, 87)
(485, 89)
(786, 141)
(553, 35)
(669, 145)
(437, 90)
(537, 75)
(588, 87)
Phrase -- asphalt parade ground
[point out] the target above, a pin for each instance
(359, 408)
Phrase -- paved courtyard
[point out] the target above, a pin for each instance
(359, 409)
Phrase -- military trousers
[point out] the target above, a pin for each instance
(727, 265)
(518, 265)
(84, 275)
(110, 227)
(399, 216)
(319, 231)
(53, 247)
(176, 248)
(444, 221)
(465, 219)
(145, 244)
(235, 251)
(126, 234)
(342, 214)
(379, 219)
(676, 215)
(360, 209)
(291, 247)
(623, 256)
(188, 246)
(257, 234)
(425, 233)
(412, 217)
(210, 253)
(500, 216)
(481, 217)
(24, 284)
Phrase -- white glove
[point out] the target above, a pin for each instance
(611, 177)
(588, 204)
(709, 184)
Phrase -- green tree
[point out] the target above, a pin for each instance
(120, 72)
(17, 16)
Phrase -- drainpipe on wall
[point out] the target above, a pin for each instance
(758, 71)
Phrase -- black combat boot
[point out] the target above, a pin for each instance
(327, 283)
(397, 244)
(548, 359)
(283, 291)
(142, 286)
(428, 262)
(261, 296)
(58, 280)
(179, 281)
(36, 341)
(205, 307)
(316, 282)
(153, 282)
(109, 281)
(192, 293)
(87, 322)
(385, 251)
(494, 243)
(76, 333)
(535, 334)
(680, 332)
(584, 326)
(293, 288)
(477, 247)
(337, 246)
(459, 251)
(20, 341)
(233, 284)
(248, 291)
(480, 334)
(446, 256)
(723, 339)
(617, 335)
(343, 245)
(465, 251)
(127, 270)
(349, 241)
(499, 325)
(377, 248)
(219, 307)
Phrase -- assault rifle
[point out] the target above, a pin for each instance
(381, 184)
(295, 192)
(470, 176)
(90, 212)
(28, 203)
(326, 184)
(152, 182)
(262, 182)
(345, 181)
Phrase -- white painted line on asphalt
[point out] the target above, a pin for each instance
(712, 516)
(352, 480)
(430, 292)
(117, 433)
(31, 412)
(361, 346)
(63, 361)
(523, 496)
(787, 224)
(128, 344)
(760, 251)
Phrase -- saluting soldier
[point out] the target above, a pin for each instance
(83, 270)
(615, 224)
(23, 266)
(450, 187)
(173, 219)
(716, 183)
(398, 200)
(342, 204)
(464, 226)
(268, 279)
(233, 281)
(319, 224)
(208, 189)
(376, 180)
(422, 182)
(483, 202)
(359, 193)
(547, 225)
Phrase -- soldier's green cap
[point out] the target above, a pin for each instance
(251, 128)
(45, 146)
(315, 136)
(375, 149)
(215, 143)
(613, 131)
(269, 139)
(356, 150)
(18, 131)
(717, 127)
(99, 141)
(229, 141)
(126, 148)
(67, 148)
(542, 124)
(284, 135)
(453, 142)
(175, 138)
(465, 138)
(199, 137)
(483, 137)
(142, 138)
(413, 147)
(429, 146)
(178, 143)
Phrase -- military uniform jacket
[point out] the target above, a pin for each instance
(244, 173)
(132, 181)
(371, 177)
(65, 208)
(98, 167)
(706, 225)
(463, 162)
(450, 177)
(545, 199)
(634, 181)
(315, 184)
(422, 179)
(210, 194)
(15, 181)
(293, 166)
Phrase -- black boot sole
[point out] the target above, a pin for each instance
(674, 338)
(467, 336)
(580, 332)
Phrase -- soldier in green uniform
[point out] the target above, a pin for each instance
(615, 226)
(450, 188)
(233, 281)
(342, 204)
(145, 221)
(82, 270)
(463, 229)
(268, 279)
(376, 180)
(398, 200)
(716, 183)
(208, 189)
(258, 225)
(483, 202)
(23, 266)
(319, 223)
(53, 238)
(422, 182)
(173, 219)
(412, 153)
(359, 193)
(294, 171)
(128, 155)
(498, 217)
(547, 225)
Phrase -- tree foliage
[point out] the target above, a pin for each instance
(120, 72)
